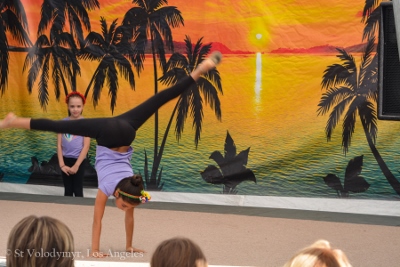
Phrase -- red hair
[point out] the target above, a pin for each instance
(75, 93)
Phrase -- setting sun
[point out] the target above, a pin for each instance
(259, 36)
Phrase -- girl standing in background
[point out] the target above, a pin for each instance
(72, 149)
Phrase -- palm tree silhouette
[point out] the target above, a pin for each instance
(352, 91)
(114, 52)
(13, 20)
(231, 170)
(60, 12)
(370, 17)
(191, 101)
(59, 52)
(151, 20)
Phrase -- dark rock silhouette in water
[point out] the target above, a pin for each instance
(49, 173)
(353, 182)
(231, 169)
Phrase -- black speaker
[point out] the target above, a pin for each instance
(389, 66)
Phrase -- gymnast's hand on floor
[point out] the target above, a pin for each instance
(133, 250)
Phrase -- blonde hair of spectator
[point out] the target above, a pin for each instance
(319, 254)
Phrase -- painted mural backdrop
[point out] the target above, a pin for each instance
(292, 111)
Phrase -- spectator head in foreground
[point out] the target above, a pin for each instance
(178, 252)
(319, 254)
(40, 242)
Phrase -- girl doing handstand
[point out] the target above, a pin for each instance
(113, 152)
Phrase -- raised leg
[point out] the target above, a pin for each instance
(12, 121)
(140, 114)
(208, 64)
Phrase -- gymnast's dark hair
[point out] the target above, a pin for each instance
(132, 185)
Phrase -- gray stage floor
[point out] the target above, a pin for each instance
(229, 236)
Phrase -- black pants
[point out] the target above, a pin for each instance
(115, 131)
(73, 184)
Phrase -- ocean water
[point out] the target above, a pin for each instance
(269, 104)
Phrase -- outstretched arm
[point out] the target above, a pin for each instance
(129, 226)
(99, 207)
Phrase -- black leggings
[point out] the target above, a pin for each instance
(73, 183)
(115, 131)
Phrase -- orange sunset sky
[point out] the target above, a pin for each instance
(250, 25)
